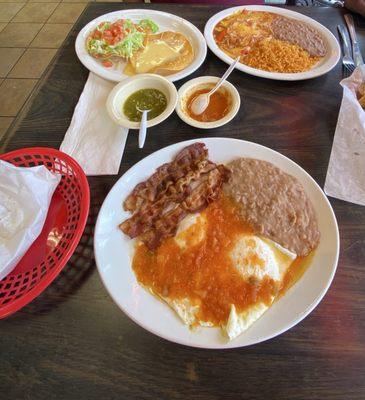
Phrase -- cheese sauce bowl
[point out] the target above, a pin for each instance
(207, 82)
(129, 86)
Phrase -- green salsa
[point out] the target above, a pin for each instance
(144, 99)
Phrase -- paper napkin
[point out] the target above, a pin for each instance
(93, 139)
(345, 178)
(25, 195)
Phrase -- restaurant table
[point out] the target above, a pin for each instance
(73, 342)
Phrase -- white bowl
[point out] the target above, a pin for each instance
(202, 82)
(124, 89)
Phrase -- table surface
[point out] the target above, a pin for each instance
(73, 341)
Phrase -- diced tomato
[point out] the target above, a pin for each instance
(97, 34)
(112, 35)
(221, 35)
(245, 51)
(108, 36)
(107, 63)
(116, 28)
(117, 31)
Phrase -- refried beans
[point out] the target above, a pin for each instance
(300, 34)
(274, 204)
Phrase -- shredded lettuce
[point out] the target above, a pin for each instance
(124, 48)
(129, 45)
(104, 27)
(132, 42)
(148, 23)
(128, 24)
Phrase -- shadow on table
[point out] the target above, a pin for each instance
(77, 270)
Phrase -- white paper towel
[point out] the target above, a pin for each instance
(93, 139)
(345, 178)
(25, 195)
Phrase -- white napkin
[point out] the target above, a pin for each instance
(93, 139)
(345, 178)
(25, 195)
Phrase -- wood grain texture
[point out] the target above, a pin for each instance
(74, 343)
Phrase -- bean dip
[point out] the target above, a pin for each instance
(274, 204)
(299, 33)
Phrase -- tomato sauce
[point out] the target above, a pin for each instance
(218, 107)
(295, 272)
(203, 270)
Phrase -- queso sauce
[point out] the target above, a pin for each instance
(203, 272)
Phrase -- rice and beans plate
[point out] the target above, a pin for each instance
(269, 41)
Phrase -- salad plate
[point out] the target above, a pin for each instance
(157, 22)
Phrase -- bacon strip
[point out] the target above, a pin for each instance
(147, 191)
(186, 185)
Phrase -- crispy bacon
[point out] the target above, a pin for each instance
(186, 185)
(157, 182)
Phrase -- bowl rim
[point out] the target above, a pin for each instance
(236, 102)
(124, 121)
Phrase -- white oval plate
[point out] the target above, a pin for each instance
(114, 252)
(323, 66)
(165, 21)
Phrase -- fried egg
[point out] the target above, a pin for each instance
(191, 231)
(252, 256)
(255, 257)
(215, 271)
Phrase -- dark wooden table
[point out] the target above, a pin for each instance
(74, 343)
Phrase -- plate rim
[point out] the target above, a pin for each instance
(80, 43)
(231, 344)
(279, 76)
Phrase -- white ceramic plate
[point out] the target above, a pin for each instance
(323, 66)
(114, 251)
(164, 20)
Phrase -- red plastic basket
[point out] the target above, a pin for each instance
(61, 233)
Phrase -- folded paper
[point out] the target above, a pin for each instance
(93, 139)
(345, 178)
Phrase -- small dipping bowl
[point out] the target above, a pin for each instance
(121, 92)
(205, 82)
